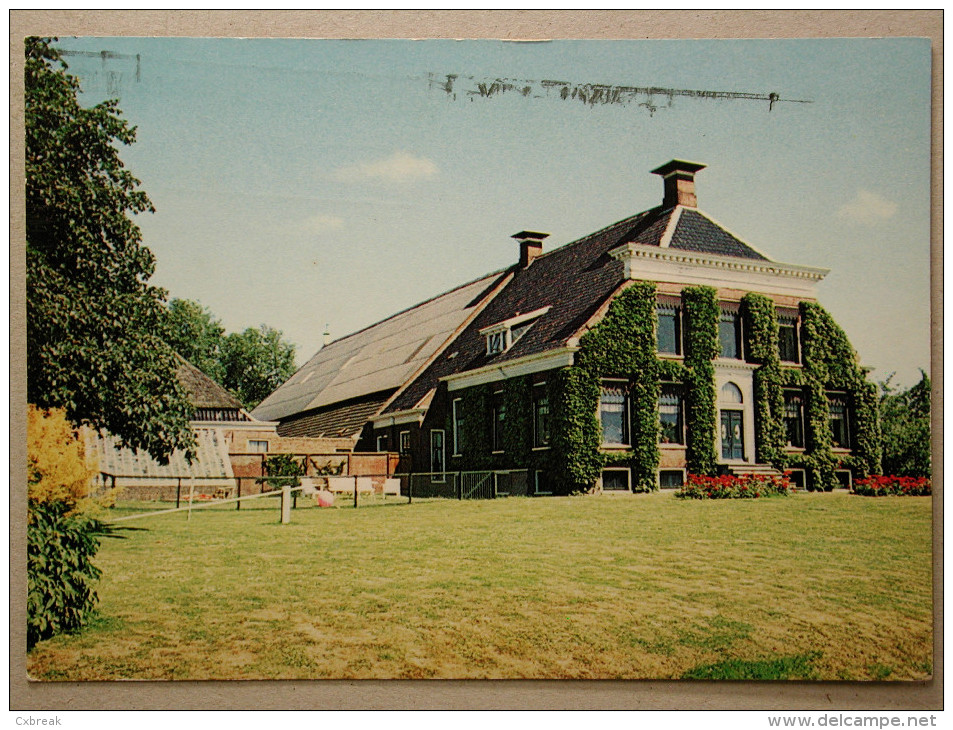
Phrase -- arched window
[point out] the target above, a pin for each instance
(731, 393)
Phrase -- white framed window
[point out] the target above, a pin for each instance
(729, 333)
(456, 408)
(669, 330)
(404, 442)
(540, 416)
(844, 478)
(614, 414)
(789, 346)
(541, 483)
(671, 478)
(497, 342)
(615, 480)
(797, 477)
(501, 336)
(438, 456)
(497, 419)
(257, 447)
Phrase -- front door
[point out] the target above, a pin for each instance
(732, 435)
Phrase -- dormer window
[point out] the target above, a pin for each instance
(496, 342)
(502, 336)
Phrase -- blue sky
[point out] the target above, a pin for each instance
(305, 182)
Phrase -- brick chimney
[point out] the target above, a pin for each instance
(679, 177)
(531, 246)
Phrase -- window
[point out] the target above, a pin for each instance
(672, 427)
(496, 342)
(382, 442)
(798, 478)
(437, 460)
(731, 393)
(669, 329)
(788, 339)
(540, 415)
(616, 480)
(794, 418)
(258, 447)
(671, 478)
(614, 415)
(541, 483)
(843, 477)
(729, 334)
(404, 440)
(497, 419)
(501, 336)
(840, 426)
(457, 427)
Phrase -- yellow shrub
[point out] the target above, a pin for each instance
(57, 469)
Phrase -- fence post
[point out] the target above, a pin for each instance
(460, 485)
(178, 492)
(238, 493)
(355, 488)
(410, 489)
(285, 504)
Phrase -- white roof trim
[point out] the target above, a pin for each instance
(673, 219)
(397, 418)
(513, 321)
(680, 256)
(549, 360)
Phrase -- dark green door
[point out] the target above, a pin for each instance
(732, 435)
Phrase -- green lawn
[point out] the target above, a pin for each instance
(826, 586)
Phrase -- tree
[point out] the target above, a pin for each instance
(95, 327)
(197, 335)
(256, 362)
(905, 428)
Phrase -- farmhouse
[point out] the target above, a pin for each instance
(659, 346)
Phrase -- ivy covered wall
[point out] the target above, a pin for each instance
(829, 364)
(623, 346)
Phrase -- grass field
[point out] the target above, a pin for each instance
(827, 586)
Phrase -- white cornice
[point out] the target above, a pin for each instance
(731, 263)
(397, 418)
(513, 321)
(512, 368)
(690, 268)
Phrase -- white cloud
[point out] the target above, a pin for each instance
(321, 224)
(867, 208)
(400, 167)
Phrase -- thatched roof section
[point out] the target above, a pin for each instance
(203, 391)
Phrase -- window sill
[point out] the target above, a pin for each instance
(616, 447)
(541, 448)
(672, 446)
(669, 355)
(455, 456)
(840, 449)
(795, 449)
(497, 452)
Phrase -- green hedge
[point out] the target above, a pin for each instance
(60, 572)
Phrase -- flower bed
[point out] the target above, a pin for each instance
(734, 487)
(882, 486)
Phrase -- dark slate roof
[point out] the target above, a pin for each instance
(341, 420)
(203, 391)
(573, 281)
(697, 232)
